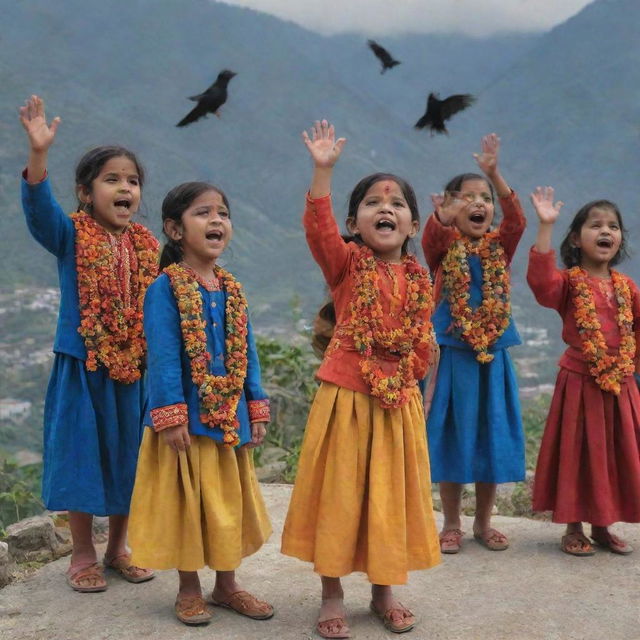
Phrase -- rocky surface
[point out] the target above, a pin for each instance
(532, 591)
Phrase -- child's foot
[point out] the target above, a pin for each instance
(451, 540)
(395, 618)
(122, 565)
(610, 541)
(191, 609)
(332, 619)
(492, 539)
(576, 544)
(244, 603)
(86, 579)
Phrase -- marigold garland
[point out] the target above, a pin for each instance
(608, 370)
(480, 327)
(366, 325)
(111, 294)
(219, 395)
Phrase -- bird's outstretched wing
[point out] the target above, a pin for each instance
(195, 114)
(382, 54)
(451, 105)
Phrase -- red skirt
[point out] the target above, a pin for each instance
(589, 463)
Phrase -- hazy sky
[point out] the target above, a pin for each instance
(376, 17)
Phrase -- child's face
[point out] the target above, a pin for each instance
(599, 238)
(206, 229)
(475, 214)
(383, 220)
(115, 194)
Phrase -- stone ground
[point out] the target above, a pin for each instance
(532, 591)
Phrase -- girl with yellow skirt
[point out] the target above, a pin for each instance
(362, 497)
(196, 500)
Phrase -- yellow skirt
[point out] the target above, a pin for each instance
(194, 508)
(362, 497)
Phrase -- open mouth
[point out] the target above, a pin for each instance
(216, 234)
(477, 217)
(386, 224)
(605, 243)
(123, 203)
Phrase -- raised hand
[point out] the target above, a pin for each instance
(446, 207)
(322, 145)
(33, 120)
(488, 158)
(547, 210)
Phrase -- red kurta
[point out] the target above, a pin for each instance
(589, 463)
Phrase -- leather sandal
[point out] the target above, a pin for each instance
(192, 610)
(451, 540)
(492, 539)
(613, 543)
(122, 565)
(333, 628)
(576, 544)
(87, 579)
(245, 604)
(394, 619)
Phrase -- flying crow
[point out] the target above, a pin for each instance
(209, 101)
(440, 110)
(383, 55)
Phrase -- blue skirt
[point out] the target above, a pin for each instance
(474, 428)
(92, 433)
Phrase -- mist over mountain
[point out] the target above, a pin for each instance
(566, 105)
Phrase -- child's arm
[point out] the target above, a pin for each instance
(257, 400)
(169, 412)
(323, 235)
(548, 283)
(46, 221)
(40, 136)
(439, 231)
(513, 222)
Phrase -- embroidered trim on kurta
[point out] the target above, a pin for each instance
(259, 410)
(113, 275)
(170, 416)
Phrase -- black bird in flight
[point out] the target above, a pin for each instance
(440, 110)
(383, 55)
(209, 101)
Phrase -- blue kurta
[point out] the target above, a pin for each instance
(169, 366)
(92, 424)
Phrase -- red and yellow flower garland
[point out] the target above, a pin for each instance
(219, 395)
(479, 327)
(608, 370)
(111, 307)
(366, 325)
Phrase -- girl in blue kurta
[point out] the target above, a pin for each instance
(474, 428)
(196, 500)
(94, 403)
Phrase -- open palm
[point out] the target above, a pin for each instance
(542, 200)
(322, 145)
(34, 122)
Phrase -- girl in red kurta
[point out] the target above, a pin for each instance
(362, 498)
(589, 462)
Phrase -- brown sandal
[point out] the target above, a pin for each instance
(245, 604)
(390, 618)
(333, 628)
(613, 543)
(492, 539)
(87, 579)
(576, 544)
(451, 540)
(122, 565)
(192, 610)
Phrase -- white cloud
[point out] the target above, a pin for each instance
(388, 17)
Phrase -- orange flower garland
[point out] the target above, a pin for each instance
(111, 294)
(219, 395)
(369, 333)
(479, 327)
(608, 370)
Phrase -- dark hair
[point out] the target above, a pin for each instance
(360, 191)
(92, 162)
(175, 203)
(571, 255)
(455, 184)
(325, 320)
